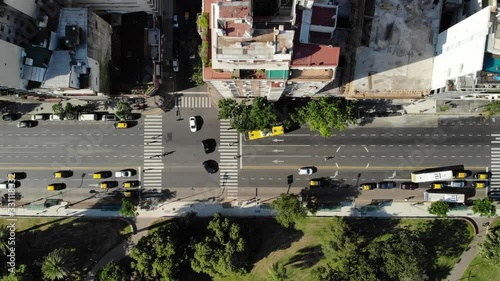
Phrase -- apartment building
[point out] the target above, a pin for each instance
(119, 6)
(269, 48)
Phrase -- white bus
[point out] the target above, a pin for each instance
(428, 176)
(446, 197)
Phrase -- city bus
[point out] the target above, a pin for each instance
(435, 174)
(275, 131)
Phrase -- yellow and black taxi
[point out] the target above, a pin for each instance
(367, 186)
(482, 175)
(131, 184)
(480, 184)
(108, 184)
(462, 174)
(102, 174)
(439, 185)
(63, 174)
(121, 125)
(315, 183)
(56, 186)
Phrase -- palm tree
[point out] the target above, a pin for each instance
(4, 234)
(58, 264)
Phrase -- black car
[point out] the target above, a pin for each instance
(208, 145)
(409, 185)
(211, 166)
(8, 117)
(386, 184)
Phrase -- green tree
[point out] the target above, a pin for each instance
(439, 209)
(128, 208)
(326, 113)
(4, 236)
(59, 110)
(202, 20)
(223, 251)
(484, 207)
(158, 255)
(342, 245)
(404, 257)
(123, 110)
(70, 111)
(58, 264)
(290, 210)
(492, 108)
(277, 272)
(227, 108)
(21, 274)
(490, 249)
(197, 77)
(112, 271)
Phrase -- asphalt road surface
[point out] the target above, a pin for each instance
(82, 147)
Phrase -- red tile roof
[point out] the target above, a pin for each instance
(233, 12)
(315, 55)
(236, 29)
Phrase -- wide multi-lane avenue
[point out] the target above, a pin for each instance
(167, 155)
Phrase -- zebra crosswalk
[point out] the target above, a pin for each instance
(153, 149)
(194, 102)
(229, 159)
(494, 189)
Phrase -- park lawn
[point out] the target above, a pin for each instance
(302, 254)
(481, 270)
(91, 239)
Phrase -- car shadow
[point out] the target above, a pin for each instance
(199, 122)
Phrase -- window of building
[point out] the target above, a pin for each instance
(8, 17)
(7, 39)
(2, 28)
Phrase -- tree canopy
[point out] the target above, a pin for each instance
(490, 249)
(123, 110)
(58, 264)
(21, 274)
(258, 116)
(112, 271)
(327, 113)
(128, 208)
(157, 256)
(223, 251)
(484, 207)
(439, 209)
(492, 108)
(290, 210)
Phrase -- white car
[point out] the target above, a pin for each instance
(306, 171)
(54, 117)
(123, 174)
(192, 124)
(175, 65)
(175, 22)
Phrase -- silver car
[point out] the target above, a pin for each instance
(306, 171)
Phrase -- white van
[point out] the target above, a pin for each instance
(37, 117)
(54, 117)
(4, 185)
(88, 117)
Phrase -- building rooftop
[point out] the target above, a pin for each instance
(399, 55)
(58, 73)
(10, 60)
(461, 49)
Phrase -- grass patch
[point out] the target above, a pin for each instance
(444, 108)
(481, 270)
(92, 239)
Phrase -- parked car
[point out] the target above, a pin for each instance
(25, 124)
(121, 125)
(102, 175)
(482, 175)
(37, 117)
(53, 117)
(192, 124)
(8, 117)
(409, 185)
(386, 184)
(109, 117)
(175, 23)
(175, 65)
(367, 186)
